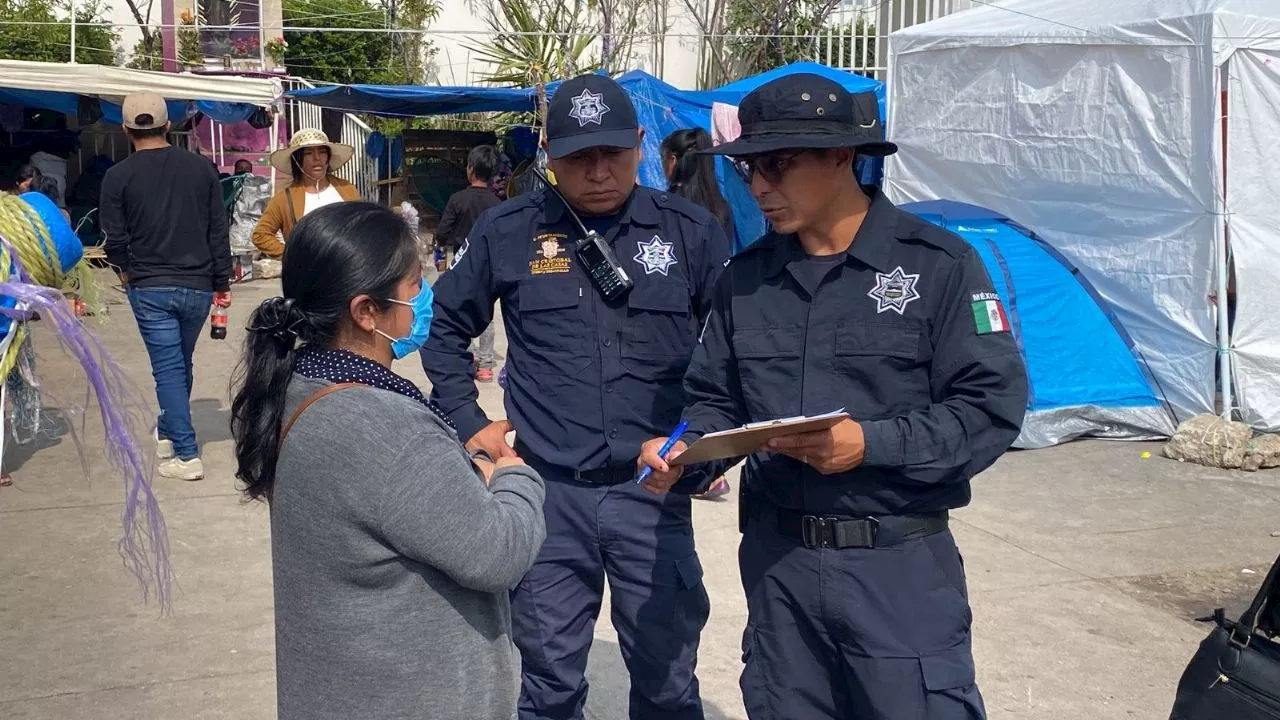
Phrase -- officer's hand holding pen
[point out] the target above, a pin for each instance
(663, 475)
(832, 451)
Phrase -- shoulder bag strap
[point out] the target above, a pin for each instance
(311, 399)
(1249, 620)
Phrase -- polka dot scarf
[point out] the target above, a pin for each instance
(344, 366)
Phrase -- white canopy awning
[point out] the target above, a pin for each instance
(112, 83)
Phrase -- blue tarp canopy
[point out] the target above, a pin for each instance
(1086, 379)
(661, 110)
(419, 100)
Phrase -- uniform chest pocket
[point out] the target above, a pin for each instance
(659, 333)
(770, 368)
(884, 367)
(552, 330)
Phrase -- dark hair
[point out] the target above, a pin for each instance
(483, 162)
(695, 176)
(148, 133)
(248, 167)
(48, 187)
(334, 254)
(295, 162)
(28, 172)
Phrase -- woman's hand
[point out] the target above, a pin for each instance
(488, 468)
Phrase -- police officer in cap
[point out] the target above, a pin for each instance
(855, 590)
(589, 379)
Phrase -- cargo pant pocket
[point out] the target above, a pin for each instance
(950, 687)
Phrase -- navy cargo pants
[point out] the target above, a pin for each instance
(858, 633)
(643, 545)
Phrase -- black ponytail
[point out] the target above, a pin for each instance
(695, 175)
(333, 255)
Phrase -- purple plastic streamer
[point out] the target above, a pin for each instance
(144, 544)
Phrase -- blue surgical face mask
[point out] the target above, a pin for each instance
(421, 328)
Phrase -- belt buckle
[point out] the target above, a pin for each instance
(873, 530)
(816, 531)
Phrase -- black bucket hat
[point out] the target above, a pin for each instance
(806, 111)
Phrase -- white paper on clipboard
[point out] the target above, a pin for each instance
(748, 438)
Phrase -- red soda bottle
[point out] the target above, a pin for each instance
(218, 323)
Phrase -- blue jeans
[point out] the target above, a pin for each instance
(170, 319)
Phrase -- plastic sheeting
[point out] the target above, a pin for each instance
(1094, 121)
(112, 83)
(1253, 201)
(57, 86)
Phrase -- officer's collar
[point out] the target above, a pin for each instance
(871, 246)
(639, 209)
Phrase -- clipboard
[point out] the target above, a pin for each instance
(747, 439)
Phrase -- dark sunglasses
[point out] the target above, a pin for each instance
(771, 167)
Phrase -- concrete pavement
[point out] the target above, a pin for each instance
(1086, 563)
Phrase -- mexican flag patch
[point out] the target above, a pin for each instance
(989, 317)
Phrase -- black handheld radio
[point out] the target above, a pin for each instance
(594, 253)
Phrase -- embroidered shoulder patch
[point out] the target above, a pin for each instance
(989, 316)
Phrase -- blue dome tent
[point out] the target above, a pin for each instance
(1086, 379)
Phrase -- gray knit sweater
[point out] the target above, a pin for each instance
(392, 563)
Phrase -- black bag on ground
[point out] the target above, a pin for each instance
(1235, 675)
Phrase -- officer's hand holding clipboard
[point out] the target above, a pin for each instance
(827, 442)
(834, 450)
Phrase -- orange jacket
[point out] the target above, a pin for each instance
(284, 211)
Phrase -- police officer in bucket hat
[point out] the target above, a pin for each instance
(592, 372)
(856, 596)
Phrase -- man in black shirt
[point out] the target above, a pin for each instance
(166, 234)
(460, 214)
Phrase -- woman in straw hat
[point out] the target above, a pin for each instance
(311, 159)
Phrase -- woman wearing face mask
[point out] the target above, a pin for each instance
(311, 160)
(393, 550)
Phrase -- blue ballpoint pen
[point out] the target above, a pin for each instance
(666, 448)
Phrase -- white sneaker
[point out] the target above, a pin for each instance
(178, 469)
(164, 449)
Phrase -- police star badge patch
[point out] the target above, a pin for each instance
(656, 256)
(894, 291)
(588, 107)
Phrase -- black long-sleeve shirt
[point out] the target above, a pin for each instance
(461, 212)
(904, 332)
(164, 221)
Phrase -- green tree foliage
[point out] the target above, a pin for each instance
(52, 43)
(146, 55)
(357, 57)
(775, 34)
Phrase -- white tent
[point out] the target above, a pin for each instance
(1100, 124)
(112, 84)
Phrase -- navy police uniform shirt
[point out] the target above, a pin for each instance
(588, 380)
(904, 331)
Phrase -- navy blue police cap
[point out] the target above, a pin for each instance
(590, 111)
(807, 111)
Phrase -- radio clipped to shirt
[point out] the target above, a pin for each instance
(594, 253)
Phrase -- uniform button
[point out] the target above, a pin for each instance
(607, 342)
(613, 433)
(608, 388)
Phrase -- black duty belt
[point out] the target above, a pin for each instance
(612, 475)
(837, 533)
